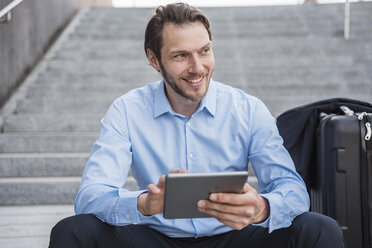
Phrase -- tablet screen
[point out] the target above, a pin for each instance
(184, 190)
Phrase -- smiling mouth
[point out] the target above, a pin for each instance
(195, 81)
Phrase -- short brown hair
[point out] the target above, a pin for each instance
(176, 13)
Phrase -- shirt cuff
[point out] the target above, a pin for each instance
(278, 217)
(143, 218)
(266, 222)
(127, 212)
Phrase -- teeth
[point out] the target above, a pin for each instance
(195, 80)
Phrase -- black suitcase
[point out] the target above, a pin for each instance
(343, 186)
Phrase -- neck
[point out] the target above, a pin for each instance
(180, 104)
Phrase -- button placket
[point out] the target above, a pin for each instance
(189, 152)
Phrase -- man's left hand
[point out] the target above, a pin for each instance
(236, 210)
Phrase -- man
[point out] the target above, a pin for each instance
(189, 123)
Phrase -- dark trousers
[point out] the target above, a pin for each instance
(307, 230)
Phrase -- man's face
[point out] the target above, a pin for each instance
(187, 60)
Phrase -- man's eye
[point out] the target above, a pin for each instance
(206, 51)
(181, 55)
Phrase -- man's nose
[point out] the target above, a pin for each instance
(195, 65)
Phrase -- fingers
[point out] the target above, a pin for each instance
(234, 221)
(232, 216)
(179, 171)
(248, 197)
(226, 211)
(234, 210)
(235, 225)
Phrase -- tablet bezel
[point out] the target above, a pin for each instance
(184, 190)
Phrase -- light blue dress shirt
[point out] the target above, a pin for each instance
(230, 128)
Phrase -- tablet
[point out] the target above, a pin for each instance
(184, 190)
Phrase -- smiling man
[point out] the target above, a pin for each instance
(189, 123)
(186, 63)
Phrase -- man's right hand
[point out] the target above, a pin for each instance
(152, 202)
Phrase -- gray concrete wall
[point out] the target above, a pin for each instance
(23, 40)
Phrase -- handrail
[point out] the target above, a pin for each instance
(7, 11)
(347, 20)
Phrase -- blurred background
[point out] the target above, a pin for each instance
(62, 62)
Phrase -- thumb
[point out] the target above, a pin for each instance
(246, 188)
(161, 182)
(153, 189)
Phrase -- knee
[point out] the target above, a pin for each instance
(317, 228)
(320, 223)
(72, 227)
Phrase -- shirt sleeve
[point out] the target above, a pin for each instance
(278, 180)
(101, 191)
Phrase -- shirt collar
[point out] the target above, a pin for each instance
(210, 99)
(162, 106)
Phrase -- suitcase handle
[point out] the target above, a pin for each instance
(367, 125)
(349, 112)
(346, 110)
(369, 131)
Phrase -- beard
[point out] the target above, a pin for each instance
(197, 96)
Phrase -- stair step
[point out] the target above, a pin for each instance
(294, 48)
(63, 106)
(47, 190)
(46, 142)
(29, 215)
(313, 76)
(51, 123)
(109, 95)
(116, 63)
(84, 86)
(42, 164)
(141, 76)
(78, 91)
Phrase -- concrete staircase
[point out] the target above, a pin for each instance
(287, 56)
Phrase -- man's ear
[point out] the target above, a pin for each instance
(154, 62)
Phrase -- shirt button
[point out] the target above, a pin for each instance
(188, 124)
(274, 223)
(127, 216)
(190, 155)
